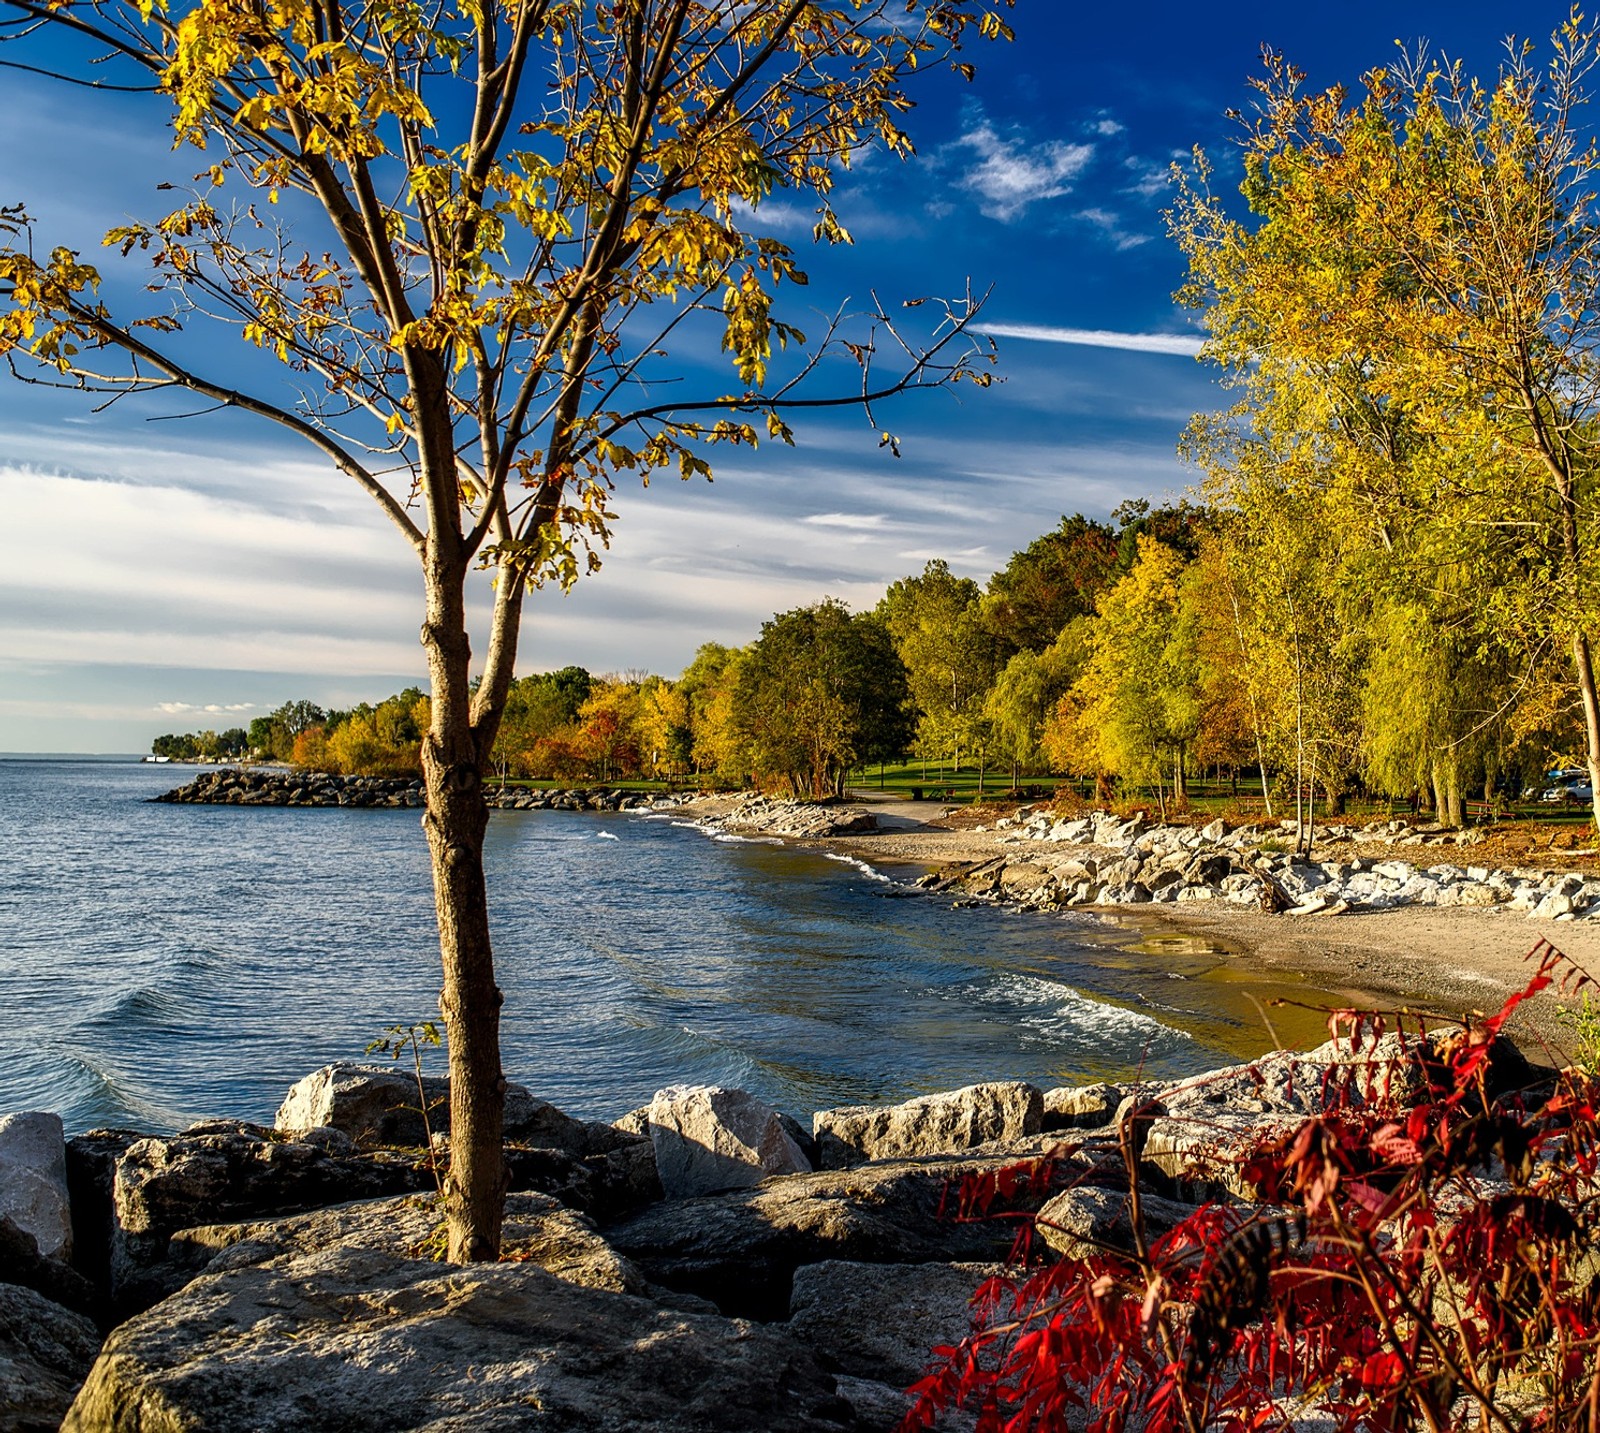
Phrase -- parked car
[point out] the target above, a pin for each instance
(1572, 793)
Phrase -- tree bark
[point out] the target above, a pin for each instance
(456, 820)
(1584, 665)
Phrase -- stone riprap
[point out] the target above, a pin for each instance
(1106, 860)
(254, 786)
(707, 1139)
(798, 820)
(640, 1318)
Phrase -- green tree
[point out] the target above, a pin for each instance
(1135, 708)
(937, 623)
(467, 234)
(1054, 579)
(1027, 691)
(820, 692)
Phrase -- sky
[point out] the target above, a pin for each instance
(163, 574)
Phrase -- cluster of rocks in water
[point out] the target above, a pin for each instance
(248, 786)
(1103, 859)
(703, 1263)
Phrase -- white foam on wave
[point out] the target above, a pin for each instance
(606, 836)
(1057, 1010)
(860, 865)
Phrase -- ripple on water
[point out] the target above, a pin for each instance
(169, 963)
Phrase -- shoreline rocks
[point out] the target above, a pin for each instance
(1105, 860)
(806, 1300)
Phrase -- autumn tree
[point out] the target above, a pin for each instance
(937, 622)
(1134, 710)
(1422, 273)
(469, 235)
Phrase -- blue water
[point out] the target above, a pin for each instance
(163, 964)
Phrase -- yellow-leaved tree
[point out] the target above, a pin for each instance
(1413, 313)
(470, 234)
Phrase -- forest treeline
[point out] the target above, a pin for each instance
(1386, 580)
(1138, 652)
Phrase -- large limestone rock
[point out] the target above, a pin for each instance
(33, 1180)
(537, 1230)
(358, 1339)
(946, 1123)
(740, 1249)
(1199, 1133)
(45, 1354)
(224, 1171)
(880, 1323)
(707, 1138)
(1084, 1221)
(21, 1263)
(1081, 1106)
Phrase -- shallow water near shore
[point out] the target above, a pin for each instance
(168, 963)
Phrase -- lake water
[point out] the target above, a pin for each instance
(163, 964)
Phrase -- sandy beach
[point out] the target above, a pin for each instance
(1448, 962)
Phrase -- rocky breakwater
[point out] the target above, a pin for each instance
(799, 820)
(704, 1263)
(236, 786)
(1102, 859)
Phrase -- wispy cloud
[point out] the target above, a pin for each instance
(1111, 225)
(1180, 343)
(209, 709)
(1012, 173)
(856, 522)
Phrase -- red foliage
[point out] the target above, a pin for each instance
(1426, 1269)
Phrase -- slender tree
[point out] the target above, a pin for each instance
(471, 235)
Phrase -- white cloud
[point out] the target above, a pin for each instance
(1012, 174)
(1110, 225)
(209, 709)
(1108, 127)
(856, 521)
(1178, 343)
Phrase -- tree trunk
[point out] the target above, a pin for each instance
(456, 819)
(1581, 660)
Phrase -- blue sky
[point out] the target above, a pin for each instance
(168, 575)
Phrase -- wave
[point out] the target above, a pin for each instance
(1060, 1012)
(141, 1005)
(865, 868)
(606, 836)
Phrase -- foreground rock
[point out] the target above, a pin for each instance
(945, 1123)
(741, 1249)
(33, 1181)
(357, 1339)
(881, 1323)
(707, 1138)
(231, 1170)
(381, 1105)
(538, 1230)
(45, 1354)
